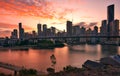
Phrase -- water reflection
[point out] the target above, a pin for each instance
(69, 55)
(108, 50)
(62, 57)
(81, 53)
(118, 50)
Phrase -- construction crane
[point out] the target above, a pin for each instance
(58, 30)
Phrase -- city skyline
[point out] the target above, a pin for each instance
(30, 16)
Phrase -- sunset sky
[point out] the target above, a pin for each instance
(53, 13)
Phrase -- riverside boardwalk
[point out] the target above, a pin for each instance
(14, 68)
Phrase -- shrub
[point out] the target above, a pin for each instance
(26, 72)
(50, 70)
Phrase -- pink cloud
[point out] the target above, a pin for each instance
(39, 8)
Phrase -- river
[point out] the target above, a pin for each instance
(39, 59)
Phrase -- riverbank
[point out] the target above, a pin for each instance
(15, 48)
(108, 71)
(90, 68)
(73, 71)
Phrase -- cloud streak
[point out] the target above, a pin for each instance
(51, 12)
(7, 26)
(50, 9)
(84, 24)
(5, 33)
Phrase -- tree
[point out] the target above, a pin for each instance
(53, 60)
(27, 72)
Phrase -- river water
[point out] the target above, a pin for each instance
(39, 59)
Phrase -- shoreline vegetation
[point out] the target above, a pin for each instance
(42, 44)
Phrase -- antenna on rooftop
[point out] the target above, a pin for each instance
(72, 16)
(39, 21)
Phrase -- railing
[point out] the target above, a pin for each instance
(54, 37)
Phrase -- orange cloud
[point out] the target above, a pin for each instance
(38, 8)
(47, 11)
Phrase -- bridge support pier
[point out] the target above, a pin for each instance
(15, 73)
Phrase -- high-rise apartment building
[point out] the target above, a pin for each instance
(21, 31)
(69, 28)
(110, 17)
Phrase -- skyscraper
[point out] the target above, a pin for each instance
(95, 31)
(114, 31)
(34, 34)
(110, 13)
(20, 27)
(76, 30)
(53, 31)
(14, 34)
(82, 31)
(21, 31)
(39, 30)
(116, 27)
(44, 29)
(110, 17)
(69, 28)
(103, 28)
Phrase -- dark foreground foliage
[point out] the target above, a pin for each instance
(73, 71)
(28, 72)
(2, 74)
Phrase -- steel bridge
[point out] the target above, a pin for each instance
(11, 67)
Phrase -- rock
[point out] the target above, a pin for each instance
(109, 61)
(93, 65)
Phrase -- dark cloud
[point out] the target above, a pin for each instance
(7, 31)
(56, 23)
(17, 2)
(28, 2)
(84, 24)
(81, 24)
(4, 33)
(92, 24)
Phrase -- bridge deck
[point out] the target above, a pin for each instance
(65, 37)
